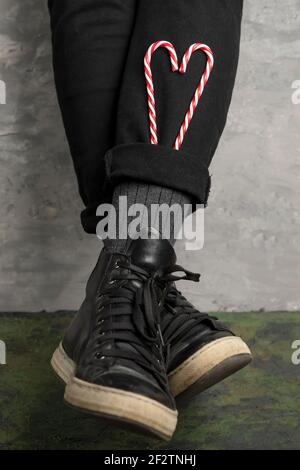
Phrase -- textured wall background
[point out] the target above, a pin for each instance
(251, 258)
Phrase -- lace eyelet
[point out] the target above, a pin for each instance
(98, 355)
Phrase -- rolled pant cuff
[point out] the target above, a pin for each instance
(159, 165)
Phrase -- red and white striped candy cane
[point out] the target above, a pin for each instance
(149, 82)
(199, 90)
(182, 69)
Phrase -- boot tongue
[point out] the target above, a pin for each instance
(152, 254)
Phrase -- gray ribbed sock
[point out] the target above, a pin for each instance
(148, 195)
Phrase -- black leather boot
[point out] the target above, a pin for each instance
(116, 343)
(203, 351)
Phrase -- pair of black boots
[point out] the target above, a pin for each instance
(136, 342)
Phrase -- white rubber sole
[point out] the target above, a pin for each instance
(209, 365)
(206, 367)
(122, 406)
(62, 365)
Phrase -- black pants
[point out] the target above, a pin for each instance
(98, 51)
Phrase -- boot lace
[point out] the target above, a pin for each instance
(129, 311)
(185, 317)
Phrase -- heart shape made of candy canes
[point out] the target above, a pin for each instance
(181, 69)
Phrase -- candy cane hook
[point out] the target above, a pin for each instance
(149, 82)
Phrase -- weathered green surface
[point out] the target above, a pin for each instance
(257, 408)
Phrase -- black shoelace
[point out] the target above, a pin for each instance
(185, 317)
(129, 312)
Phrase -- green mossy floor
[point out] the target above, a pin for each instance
(258, 408)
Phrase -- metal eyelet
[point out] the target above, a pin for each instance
(98, 356)
(99, 301)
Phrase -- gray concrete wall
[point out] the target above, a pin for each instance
(251, 257)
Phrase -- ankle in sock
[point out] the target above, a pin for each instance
(160, 224)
